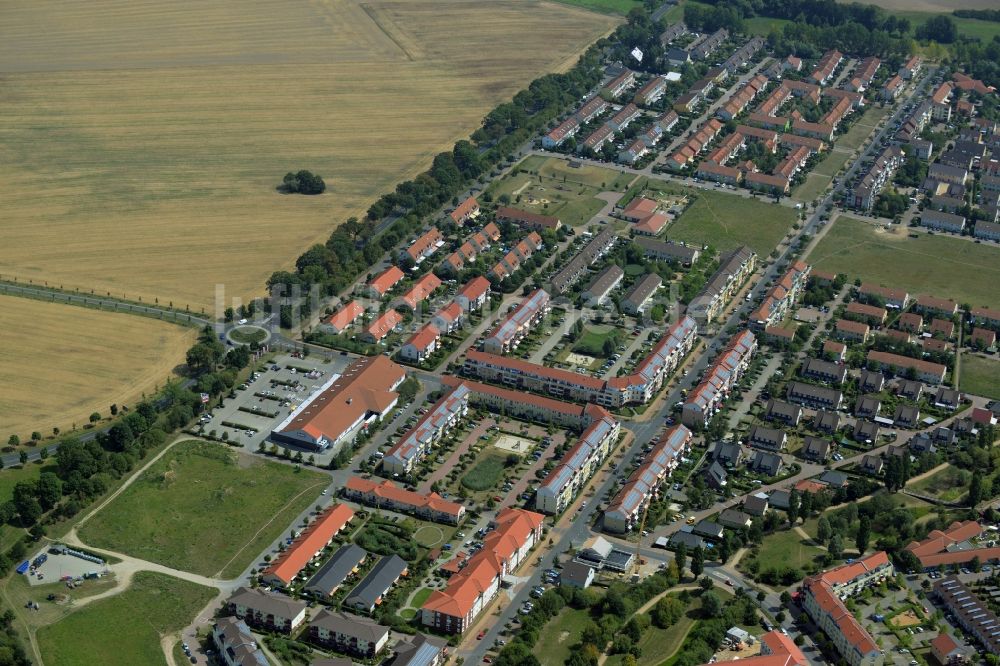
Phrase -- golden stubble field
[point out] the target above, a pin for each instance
(59, 364)
(141, 141)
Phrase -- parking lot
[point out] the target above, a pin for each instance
(57, 567)
(269, 397)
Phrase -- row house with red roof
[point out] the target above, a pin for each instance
(426, 245)
(473, 294)
(822, 599)
(826, 66)
(473, 245)
(420, 291)
(864, 74)
(453, 609)
(421, 344)
(307, 545)
(384, 494)
(343, 318)
(381, 284)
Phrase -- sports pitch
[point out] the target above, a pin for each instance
(143, 140)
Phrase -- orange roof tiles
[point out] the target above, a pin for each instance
(421, 289)
(514, 527)
(365, 386)
(312, 540)
(346, 316)
(465, 210)
(386, 280)
(384, 325)
(425, 337)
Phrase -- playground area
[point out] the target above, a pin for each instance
(580, 360)
(514, 444)
(907, 618)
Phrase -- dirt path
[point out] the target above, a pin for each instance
(930, 472)
(167, 645)
(93, 512)
(805, 535)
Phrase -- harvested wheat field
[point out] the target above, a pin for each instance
(142, 141)
(92, 360)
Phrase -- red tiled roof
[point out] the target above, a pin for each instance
(388, 490)
(313, 539)
(346, 315)
(366, 385)
(474, 288)
(386, 280)
(424, 337)
(513, 529)
(382, 326)
(464, 209)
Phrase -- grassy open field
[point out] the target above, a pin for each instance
(937, 265)
(143, 141)
(562, 633)
(948, 484)
(860, 130)
(832, 163)
(549, 186)
(725, 221)
(813, 186)
(153, 606)
(204, 508)
(787, 548)
(92, 359)
(980, 376)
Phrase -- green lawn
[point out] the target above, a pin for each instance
(124, 629)
(605, 6)
(937, 265)
(486, 473)
(949, 484)
(248, 334)
(812, 188)
(832, 163)
(203, 509)
(561, 634)
(762, 25)
(591, 341)
(984, 30)
(980, 376)
(726, 221)
(421, 596)
(787, 548)
(862, 128)
(554, 188)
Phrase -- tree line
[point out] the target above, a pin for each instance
(358, 244)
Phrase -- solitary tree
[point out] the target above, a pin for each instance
(95, 417)
(863, 535)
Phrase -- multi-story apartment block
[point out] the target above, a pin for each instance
(644, 483)
(528, 314)
(428, 431)
(733, 271)
(637, 387)
(385, 494)
(452, 609)
(721, 376)
(781, 297)
(822, 599)
(581, 461)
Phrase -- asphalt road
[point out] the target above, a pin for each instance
(645, 431)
